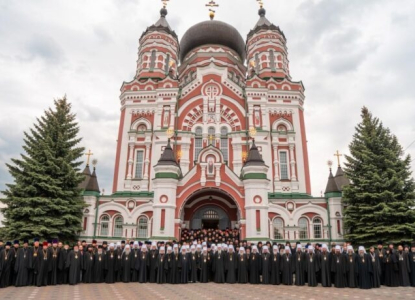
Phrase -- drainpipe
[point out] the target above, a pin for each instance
(328, 215)
(96, 216)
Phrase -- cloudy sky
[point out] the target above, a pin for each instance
(348, 54)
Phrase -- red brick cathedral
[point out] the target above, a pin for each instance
(212, 135)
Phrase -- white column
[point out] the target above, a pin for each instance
(172, 116)
(130, 158)
(292, 162)
(217, 177)
(147, 162)
(276, 163)
(203, 176)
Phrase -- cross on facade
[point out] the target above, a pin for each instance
(89, 153)
(338, 157)
(210, 139)
(165, 3)
(261, 3)
(212, 4)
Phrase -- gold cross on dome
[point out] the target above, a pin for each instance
(338, 157)
(89, 153)
(212, 4)
(165, 3)
(261, 3)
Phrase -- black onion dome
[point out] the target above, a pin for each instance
(212, 32)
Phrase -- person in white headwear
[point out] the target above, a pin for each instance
(242, 266)
(287, 266)
(125, 267)
(339, 268)
(153, 263)
(218, 265)
(312, 266)
(254, 266)
(324, 258)
(135, 264)
(275, 266)
(110, 263)
(299, 266)
(364, 269)
(266, 265)
(231, 263)
(162, 265)
(351, 267)
(144, 260)
(204, 265)
(194, 258)
(184, 264)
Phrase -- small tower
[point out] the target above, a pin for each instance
(167, 174)
(158, 51)
(256, 185)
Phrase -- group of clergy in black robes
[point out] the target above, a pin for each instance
(52, 263)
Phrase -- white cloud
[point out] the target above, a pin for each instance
(348, 54)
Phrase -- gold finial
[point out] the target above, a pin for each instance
(261, 3)
(210, 139)
(338, 157)
(252, 132)
(165, 3)
(89, 153)
(212, 4)
(170, 132)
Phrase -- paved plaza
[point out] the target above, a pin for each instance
(199, 291)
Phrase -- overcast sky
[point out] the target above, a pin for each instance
(348, 54)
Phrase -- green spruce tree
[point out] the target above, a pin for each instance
(380, 199)
(44, 201)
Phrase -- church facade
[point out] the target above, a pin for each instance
(212, 135)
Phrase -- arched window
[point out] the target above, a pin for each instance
(118, 226)
(211, 131)
(224, 142)
(284, 165)
(278, 224)
(105, 221)
(141, 128)
(198, 141)
(142, 227)
(303, 224)
(317, 228)
(211, 215)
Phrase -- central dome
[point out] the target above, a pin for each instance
(212, 32)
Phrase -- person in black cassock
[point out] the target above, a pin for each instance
(254, 266)
(43, 266)
(265, 265)
(242, 266)
(381, 252)
(403, 267)
(312, 266)
(275, 266)
(391, 269)
(88, 266)
(339, 268)
(184, 265)
(126, 264)
(35, 256)
(231, 265)
(14, 249)
(287, 266)
(110, 264)
(218, 267)
(324, 258)
(193, 264)
(364, 269)
(74, 264)
(6, 256)
(351, 268)
(153, 261)
(64, 272)
(144, 264)
(162, 265)
(118, 260)
(376, 268)
(412, 264)
(299, 266)
(23, 265)
(1, 245)
(54, 253)
(99, 264)
(173, 275)
(135, 262)
(204, 266)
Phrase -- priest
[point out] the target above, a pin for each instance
(193, 264)
(204, 265)
(299, 266)
(43, 266)
(153, 262)
(63, 271)
(88, 266)
(144, 265)
(339, 268)
(287, 266)
(110, 265)
(391, 269)
(218, 266)
(412, 264)
(74, 264)
(126, 264)
(23, 265)
(6, 257)
(135, 262)
(173, 275)
(375, 276)
(364, 269)
(242, 266)
(231, 265)
(275, 266)
(325, 268)
(312, 266)
(162, 266)
(403, 267)
(254, 266)
(54, 253)
(184, 265)
(265, 265)
(99, 265)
